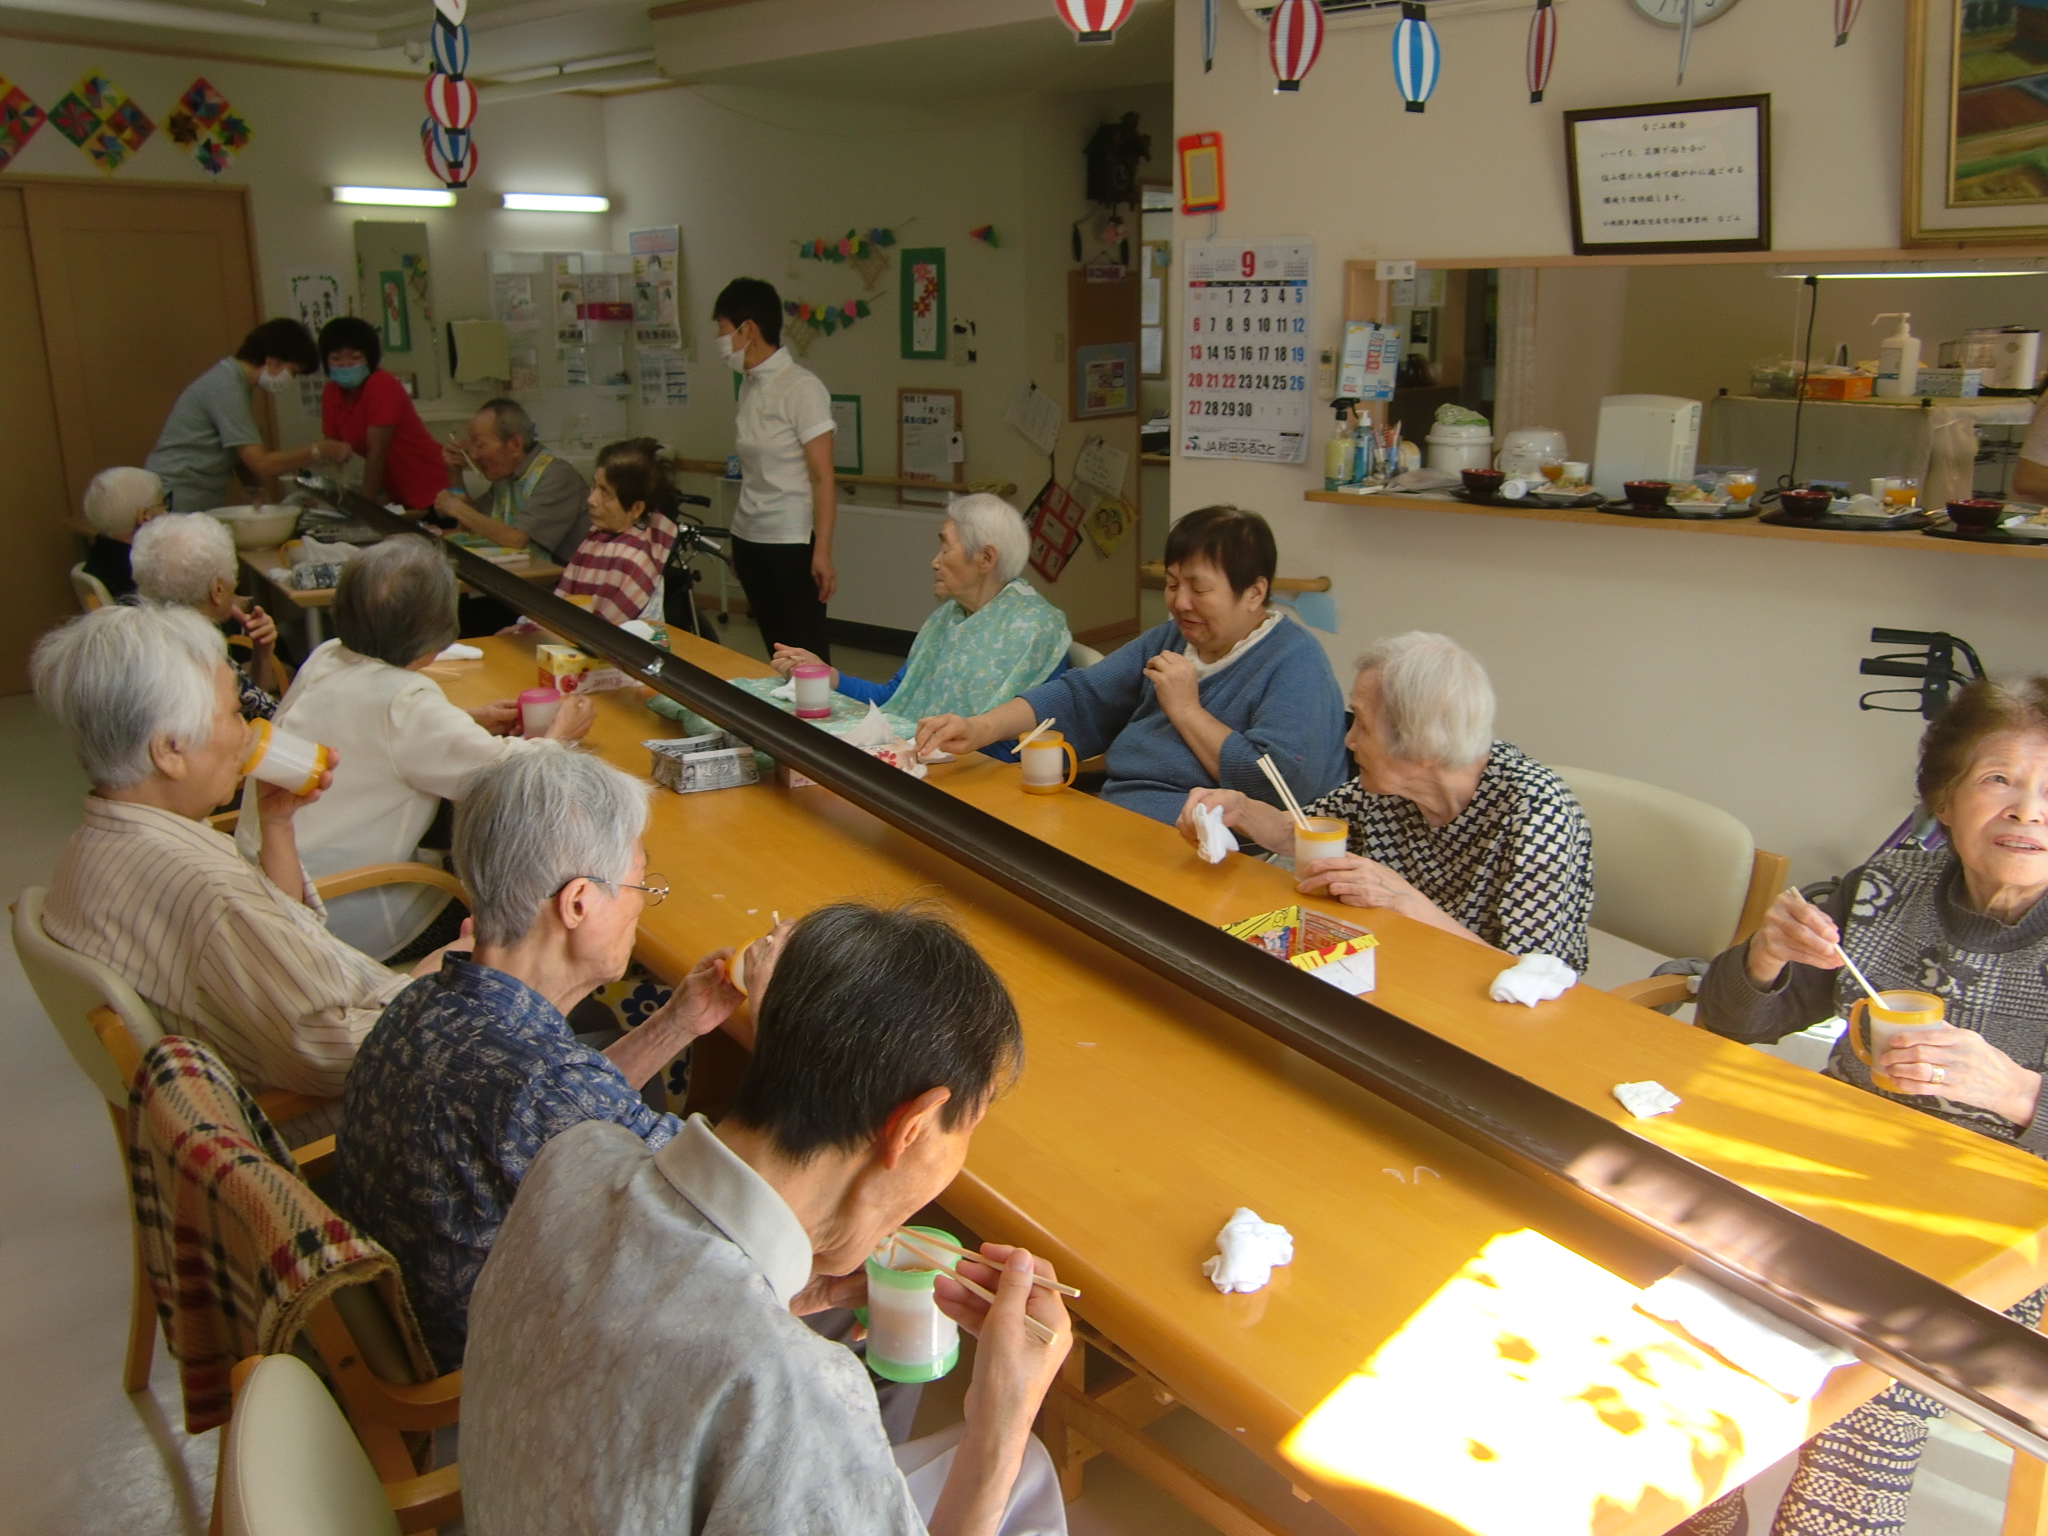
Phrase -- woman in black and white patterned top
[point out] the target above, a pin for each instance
(1448, 826)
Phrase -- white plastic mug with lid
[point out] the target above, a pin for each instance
(1049, 764)
(1895, 1013)
(537, 710)
(909, 1338)
(1327, 837)
(813, 681)
(290, 762)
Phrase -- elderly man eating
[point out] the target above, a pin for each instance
(475, 1068)
(234, 953)
(639, 1354)
(535, 498)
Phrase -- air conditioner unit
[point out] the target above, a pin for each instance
(1383, 13)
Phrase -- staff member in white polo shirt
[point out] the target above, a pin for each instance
(782, 531)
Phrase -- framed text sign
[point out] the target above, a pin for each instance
(1671, 176)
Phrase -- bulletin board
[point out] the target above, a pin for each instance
(1102, 345)
(928, 441)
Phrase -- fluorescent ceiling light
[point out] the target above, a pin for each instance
(555, 202)
(1916, 269)
(395, 197)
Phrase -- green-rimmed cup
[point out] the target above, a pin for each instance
(909, 1338)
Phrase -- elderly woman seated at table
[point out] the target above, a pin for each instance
(991, 637)
(1965, 923)
(404, 747)
(1197, 701)
(188, 559)
(233, 953)
(475, 1068)
(117, 502)
(619, 564)
(1448, 826)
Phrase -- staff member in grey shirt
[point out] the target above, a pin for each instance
(210, 430)
(636, 1352)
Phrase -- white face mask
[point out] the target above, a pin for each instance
(275, 383)
(735, 355)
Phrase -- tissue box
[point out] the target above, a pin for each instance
(1326, 947)
(1964, 382)
(692, 764)
(1837, 386)
(568, 670)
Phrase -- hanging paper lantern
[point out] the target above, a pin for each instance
(1095, 21)
(1542, 48)
(1294, 36)
(1416, 59)
(454, 10)
(451, 100)
(451, 156)
(1845, 18)
(1208, 35)
(1684, 37)
(450, 45)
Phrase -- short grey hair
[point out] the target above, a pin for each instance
(120, 678)
(178, 557)
(1435, 698)
(535, 820)
(986, 521)
(508, 419)
(116, 496)
(395, 601)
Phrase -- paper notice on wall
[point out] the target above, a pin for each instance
(525, 363)
(657, 265)
(512, 298)
(1037, 415)
(1244, 365)
(1372, 354)
(316, 298)
(575, 366)
(568, 301)
(664, 378)
(1102, 466)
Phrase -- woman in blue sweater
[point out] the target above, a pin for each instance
(1197, 701)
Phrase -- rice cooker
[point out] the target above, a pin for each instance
(1460, 445)
(1523, 451)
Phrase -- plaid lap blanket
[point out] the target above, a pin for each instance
(238, 1250)
(620, 571)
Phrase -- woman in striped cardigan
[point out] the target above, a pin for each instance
(619, 563)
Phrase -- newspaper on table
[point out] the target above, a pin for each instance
(691, 764)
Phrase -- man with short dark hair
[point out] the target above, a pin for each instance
(637, 1352)
(210, 430)
(782, 528)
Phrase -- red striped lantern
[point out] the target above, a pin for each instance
(1542, 48)
(1095, 21)
(1294, 36)
(451, 100)
(1845, 18)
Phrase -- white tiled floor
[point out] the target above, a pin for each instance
(79, 1456)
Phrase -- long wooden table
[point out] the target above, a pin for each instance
(1453, 1347)
(311, 603)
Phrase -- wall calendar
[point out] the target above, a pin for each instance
(1244, 368)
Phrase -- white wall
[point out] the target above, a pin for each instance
(1722, 667)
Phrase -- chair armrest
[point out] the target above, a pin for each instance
(429, 1500)
(315, 1158)
(281, 1104)
(1656, 991)
(372, 1402)
(120, 1045)
(370, 876)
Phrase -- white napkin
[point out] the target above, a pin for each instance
(786, 693)
(1646, 1099)
(1248, 1251)
(872, 731)
(1787, 1359)
(1213, 839)
(1531, 980)
(460, 652)
(639, 629)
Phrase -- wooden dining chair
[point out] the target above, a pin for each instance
(289, 1463)
(90, 591)
(1673, 874)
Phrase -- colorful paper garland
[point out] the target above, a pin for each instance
(20, 117)
(826, 317)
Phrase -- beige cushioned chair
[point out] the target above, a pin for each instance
(290, 1465)
(1673, 874)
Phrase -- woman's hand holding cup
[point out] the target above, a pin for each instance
(573, 720)
(788, 658)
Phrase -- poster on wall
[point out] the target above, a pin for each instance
(1105, 380)
(1976, 123)
(396, 322)
(315, 296)
(1054, 519)
(657, 254)
(924, 302)
(1671, 176)
(568, 301)
(1245, 313)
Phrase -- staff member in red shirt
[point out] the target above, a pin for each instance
(369, 410)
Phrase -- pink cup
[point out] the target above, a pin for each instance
(537, 707)
(813, 690)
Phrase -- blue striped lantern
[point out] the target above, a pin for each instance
(450, 43)
(1417, 61)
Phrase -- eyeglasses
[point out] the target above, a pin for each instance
(656, 888)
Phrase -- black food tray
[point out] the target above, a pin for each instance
(1905, 520)
(1548, 500)
(1984, 536)
(1719, 515)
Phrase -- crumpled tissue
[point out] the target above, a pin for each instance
(639, 629)
(1212, 838)
(1531, 980)
(1789, 1360)
(876, 737)
(459, 652)
(1248, 1251)
(786, 693)
(1646, 1099)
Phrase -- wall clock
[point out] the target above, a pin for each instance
(1671, 13)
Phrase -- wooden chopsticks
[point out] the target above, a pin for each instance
(912, 1241)
(926, 1240)
(1286, 795)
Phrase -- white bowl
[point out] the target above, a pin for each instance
(258, 527)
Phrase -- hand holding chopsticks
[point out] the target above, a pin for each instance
(1869, 991)
(924, 1240)
(936, 1255)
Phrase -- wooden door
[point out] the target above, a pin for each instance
(34, 590)
(142, 287)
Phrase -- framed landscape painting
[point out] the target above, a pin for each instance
(1976, 140)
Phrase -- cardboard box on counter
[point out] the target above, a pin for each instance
(568, 670)
(1963, 382)
(691, 764)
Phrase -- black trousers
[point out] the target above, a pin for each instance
(781, 595)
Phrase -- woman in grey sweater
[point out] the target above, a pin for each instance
(1968, 924)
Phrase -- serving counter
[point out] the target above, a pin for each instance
(1454, 1347)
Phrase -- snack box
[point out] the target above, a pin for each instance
(1328, 948)
(1962, 382)
(691, 764)
(1837, 386)
(568, 670)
